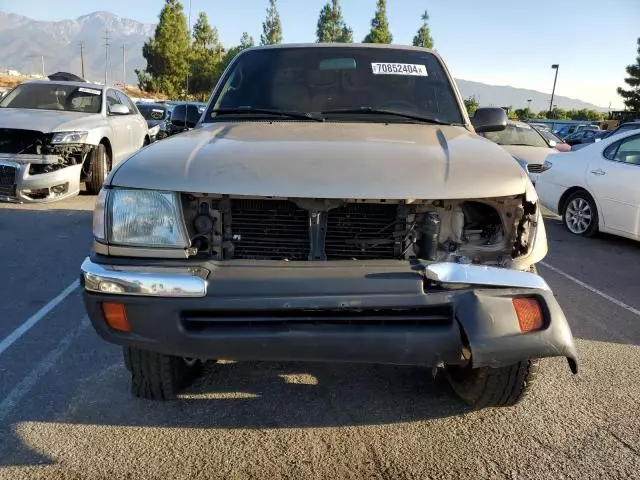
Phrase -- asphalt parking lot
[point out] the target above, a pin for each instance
(66, 411)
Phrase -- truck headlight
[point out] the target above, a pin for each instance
(140, 218)
(154, 130)
(69, 137)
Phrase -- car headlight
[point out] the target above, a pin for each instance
(69, 137)
(546, 166)
(154, 130)
(140, 218)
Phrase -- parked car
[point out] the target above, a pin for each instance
(540, 126)
(625, 127)
(553, 140)
(569, 129)
(584, 136)
(525, 144)
(56, 134)
(596, 188)
(333, 204)
(157, 116)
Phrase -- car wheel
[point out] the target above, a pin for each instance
(100, 162)
(156, 376)
(580, 215)
(493, 387)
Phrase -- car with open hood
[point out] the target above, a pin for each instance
(334, 203)
(56, 134)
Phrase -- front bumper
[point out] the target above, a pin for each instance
(373, 312)
(17, 185)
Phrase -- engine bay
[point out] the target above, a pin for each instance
(483, 231)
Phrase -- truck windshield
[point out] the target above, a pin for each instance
(54, 96)
(340, 83)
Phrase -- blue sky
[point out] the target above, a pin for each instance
(500, 42)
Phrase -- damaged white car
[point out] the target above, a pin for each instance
(54, 135)
(334, 204)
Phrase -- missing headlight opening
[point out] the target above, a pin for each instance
(474, 230)
(18, 141)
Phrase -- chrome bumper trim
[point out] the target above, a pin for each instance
(144, 281)
(457, 273)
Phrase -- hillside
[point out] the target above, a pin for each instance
(24, 40)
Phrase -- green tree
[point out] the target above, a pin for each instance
(246, 41)
(423, 37)
(632, 96)
(271, 27)
(472, 105)
(559, 114)
(522, 113)
(379, 26)
(331, 25)
(206, 57)
(167, 53)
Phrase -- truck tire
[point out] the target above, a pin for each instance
(99, 158)
(156, 376)
(493, 387)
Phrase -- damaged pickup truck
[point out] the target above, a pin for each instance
(56, 134)
(335, 204)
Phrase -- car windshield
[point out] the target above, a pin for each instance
(517, 134)
(54, 96)
(152, 112)
(359, 81)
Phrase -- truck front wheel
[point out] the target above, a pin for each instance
(493, 387)
(156, 376)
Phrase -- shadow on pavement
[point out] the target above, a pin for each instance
(248, 395)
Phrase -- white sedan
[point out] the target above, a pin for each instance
(596, 188)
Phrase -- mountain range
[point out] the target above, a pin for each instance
(27, 42)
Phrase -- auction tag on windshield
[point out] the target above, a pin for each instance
(89, 90)
(399, 69)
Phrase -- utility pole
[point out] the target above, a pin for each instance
(43, 74)
(124, 66)
(106, 55)
(82, 58)
(555, 66)
(188, 66)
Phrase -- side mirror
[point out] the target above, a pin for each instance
(193, 115)
(489, 119)
(179, 116)
(119, 109)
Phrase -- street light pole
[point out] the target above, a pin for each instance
(555, 66)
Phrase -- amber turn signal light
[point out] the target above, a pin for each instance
(529, 314)
(116, 316)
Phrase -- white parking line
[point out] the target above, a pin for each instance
(615, 301)
(36, 317)
(30, 381)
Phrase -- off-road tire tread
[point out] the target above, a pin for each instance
(155, 376)
(96, 179)
(499, 387)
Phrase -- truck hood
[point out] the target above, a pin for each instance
(47, 120)
(326, 160)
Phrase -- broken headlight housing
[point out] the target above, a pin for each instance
(140, 218)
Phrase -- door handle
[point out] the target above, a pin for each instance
(599, 171)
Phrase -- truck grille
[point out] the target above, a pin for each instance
(362, 231)
(269, 230)
(7, 180)
(280, 230)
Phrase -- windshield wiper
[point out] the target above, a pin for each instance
(267, 111)
(383, 111)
